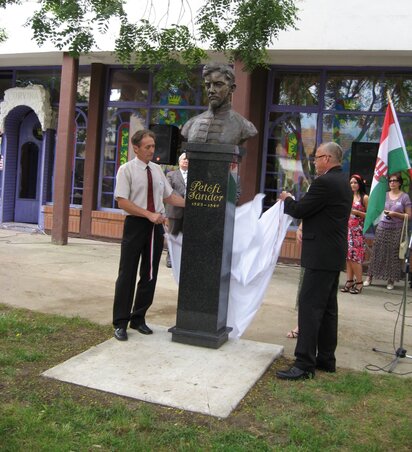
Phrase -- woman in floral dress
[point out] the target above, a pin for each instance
(356, 239)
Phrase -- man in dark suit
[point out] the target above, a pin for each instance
(178, 180)
(325, 212)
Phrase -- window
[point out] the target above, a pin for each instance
(129, 86)
(290, 145)
(83, 85)
(132, 105)
(117, 148)
(309, 107)
(76, 196)
(6, 82)
(49, 78)
(292, 88)
(356, 92)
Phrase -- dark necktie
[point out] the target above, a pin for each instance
(150, 201)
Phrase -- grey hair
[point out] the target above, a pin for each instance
(182, 156)
(334, 150)
(140, 134)
(224, 69)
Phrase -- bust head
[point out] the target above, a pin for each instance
(219, 82)
(229, 127)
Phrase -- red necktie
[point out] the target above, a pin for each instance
(150, 201)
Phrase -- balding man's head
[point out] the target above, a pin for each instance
(334, 150)
(327, 156)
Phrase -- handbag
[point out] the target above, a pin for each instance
(403, 245)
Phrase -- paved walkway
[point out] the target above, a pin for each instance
(78, 279)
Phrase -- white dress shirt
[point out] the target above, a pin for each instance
(131, 183)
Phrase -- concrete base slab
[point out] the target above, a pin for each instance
(155, 369)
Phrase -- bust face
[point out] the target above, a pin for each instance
(219, 89)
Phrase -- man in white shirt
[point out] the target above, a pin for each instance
(141, 190)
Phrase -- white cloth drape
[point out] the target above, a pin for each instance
(257, 241)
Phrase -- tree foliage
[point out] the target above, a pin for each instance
(4, 4)
(241, 29)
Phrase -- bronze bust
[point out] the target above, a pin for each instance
(219, 124)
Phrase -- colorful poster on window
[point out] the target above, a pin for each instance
(173, 116)
(123, 143)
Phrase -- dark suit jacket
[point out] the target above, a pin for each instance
(325, 212)
(175, 179)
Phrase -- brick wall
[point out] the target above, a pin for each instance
(107, 224)
(74, 219)
(110, 225)
(290, 251)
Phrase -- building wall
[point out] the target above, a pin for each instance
(331, 35)
(351, 25)
(106, 222)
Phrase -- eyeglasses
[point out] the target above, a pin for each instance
(393, 180)
(320, 156)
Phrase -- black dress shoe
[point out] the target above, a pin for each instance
(120, 334)
(294, 373)
(142, 328)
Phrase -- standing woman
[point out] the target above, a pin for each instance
(356, 239)
(385, 262)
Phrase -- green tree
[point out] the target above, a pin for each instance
(241, 29)
(4, 4)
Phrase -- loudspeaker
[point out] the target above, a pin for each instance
(167, 141)
(363, 161)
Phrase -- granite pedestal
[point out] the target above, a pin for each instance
(207, 245)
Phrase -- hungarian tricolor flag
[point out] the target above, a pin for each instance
(392, 158)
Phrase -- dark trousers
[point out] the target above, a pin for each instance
(317, 320)
(141, 240)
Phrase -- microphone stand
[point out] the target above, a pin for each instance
(401, 352)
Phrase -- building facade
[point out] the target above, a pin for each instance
(321, 85)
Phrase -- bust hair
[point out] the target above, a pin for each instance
(182, 156)
(334, 150)
(224, 69)
(140, 134)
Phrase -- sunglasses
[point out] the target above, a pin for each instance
(394, 180)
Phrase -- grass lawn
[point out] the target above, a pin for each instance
(346, 411)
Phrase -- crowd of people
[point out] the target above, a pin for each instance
(332, 215)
